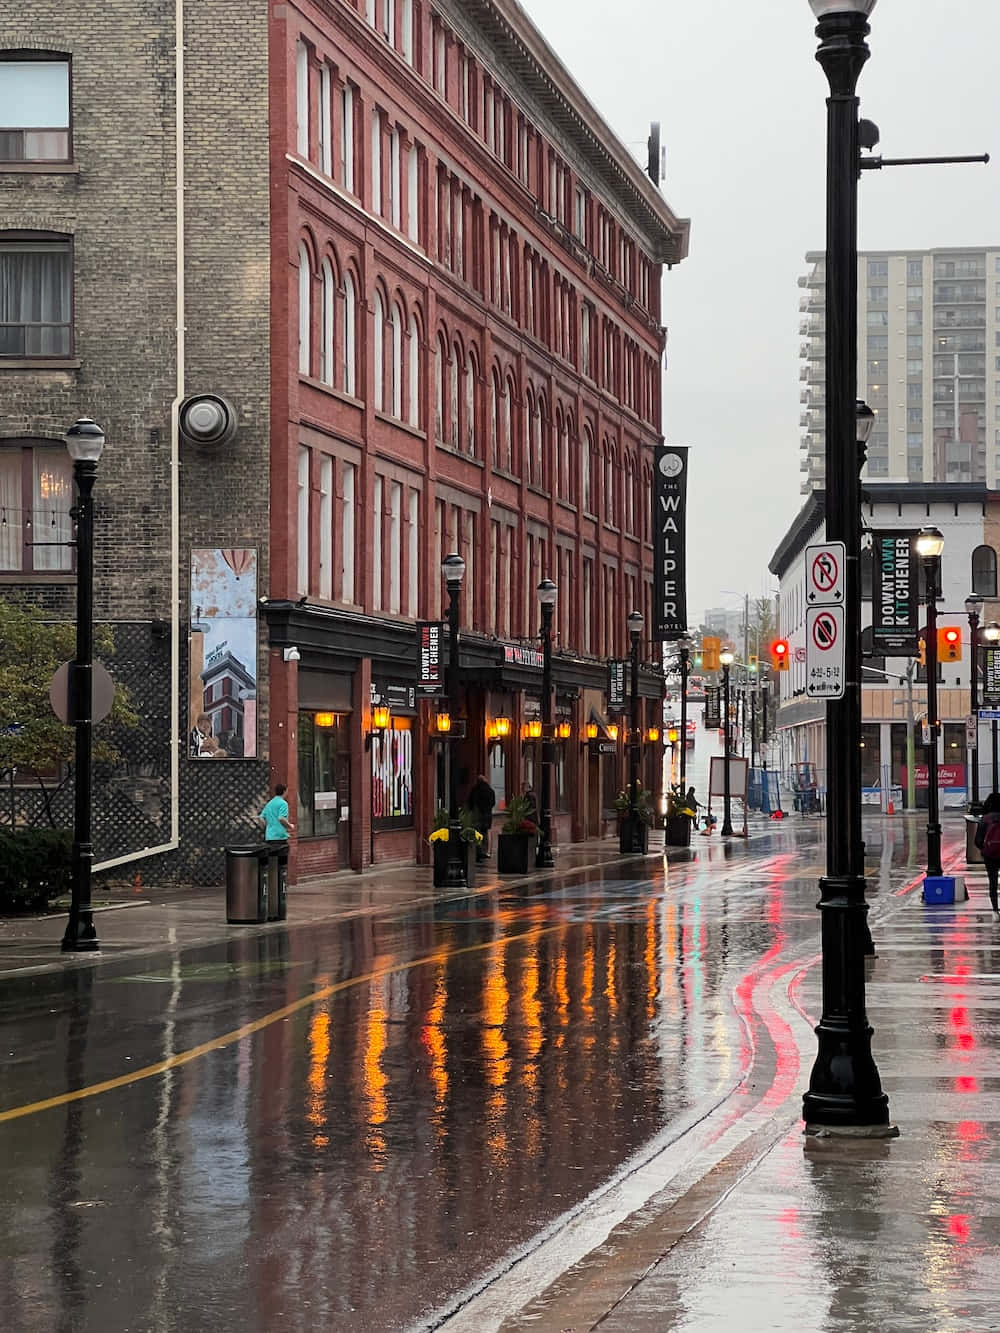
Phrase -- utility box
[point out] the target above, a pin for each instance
(939, 890)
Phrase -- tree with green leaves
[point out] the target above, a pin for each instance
(31, 648)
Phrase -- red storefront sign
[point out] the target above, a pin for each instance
(949, 775)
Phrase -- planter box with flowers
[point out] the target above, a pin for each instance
(633, 829)
(518, 839)
(680, 819)
(468, 838)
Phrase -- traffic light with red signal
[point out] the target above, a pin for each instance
(949, 644)
(779, 654)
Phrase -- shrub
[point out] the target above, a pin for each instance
(34, 867)
(517, 820)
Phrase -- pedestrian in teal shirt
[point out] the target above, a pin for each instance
(275, 816)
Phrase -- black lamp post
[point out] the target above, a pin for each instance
(635, 623)
(991, 634)
(726, 658)
(685, 656)
(973, 606)
(453, 570)
(547, 593)
(930, 544)
(845, 1092)
(85, 442)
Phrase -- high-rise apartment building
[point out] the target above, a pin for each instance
(928, 364)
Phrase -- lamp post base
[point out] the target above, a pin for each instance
(80, 937)
(845, 1091)
(544, 858)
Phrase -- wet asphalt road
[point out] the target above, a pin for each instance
(342, 1127)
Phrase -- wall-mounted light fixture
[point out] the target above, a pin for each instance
(442, 723)
(563, 730)
(503, 726)
(672, 736)
(491, 731)
(613, 731)
(380, 723)
(325, 719)
(533, 729)
(592, 731)
(653, 734)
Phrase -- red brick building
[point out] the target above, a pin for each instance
(466, 351)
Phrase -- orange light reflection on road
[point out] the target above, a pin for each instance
(375, 1080)
(319, 1056)
(496, 998)
(437, 1049)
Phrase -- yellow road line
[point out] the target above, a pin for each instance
(248, 1029)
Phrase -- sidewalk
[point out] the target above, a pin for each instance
(780, 1232)
(158, 920)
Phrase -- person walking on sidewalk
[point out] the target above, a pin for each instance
(274, 816)
(988, 841)
(481, 802)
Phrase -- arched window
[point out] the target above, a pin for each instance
(587, 466)
(508, 425)
(984, 571)
(350, 335)
(379, 357)
(453, 375)
(329, 306)
(560, 491)
(414, 355)
(397, 362)
(440, 385)
(471, 404)
(305, 310)
(527, 462)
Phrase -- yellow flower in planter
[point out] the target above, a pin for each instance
(439, 835)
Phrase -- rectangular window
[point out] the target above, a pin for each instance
(878, 268)
(302, 99)
(347, 535)
(395, 545)
(580, 214)
(412, 194)
(35, 298)
(407, 33)
(302, 574)
(376, 598)
(326, 527)
(36, 495)
(395, 180)
(413, 556)
(34, 111)
(347, 135)
(325, 122)
(376, 161)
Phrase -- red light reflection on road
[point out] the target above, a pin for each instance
(958, 1226)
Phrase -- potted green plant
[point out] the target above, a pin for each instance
(469, 836)
(633, 830)
(680, 818)
(518, 839)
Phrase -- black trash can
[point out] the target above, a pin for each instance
(246, 884)
(277, 880)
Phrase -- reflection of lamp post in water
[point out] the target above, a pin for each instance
(726, 658)
(991, 634)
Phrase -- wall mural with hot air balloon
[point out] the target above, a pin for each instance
(222, 690)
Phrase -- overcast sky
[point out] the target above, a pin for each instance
(741, 100)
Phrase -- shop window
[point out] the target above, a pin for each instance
(392, 775)
(498, 774)
(871, 768)
(323, 741)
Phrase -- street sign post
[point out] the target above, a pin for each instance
(825, 574)
(825, 652)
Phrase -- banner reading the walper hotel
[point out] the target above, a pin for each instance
(670, 547)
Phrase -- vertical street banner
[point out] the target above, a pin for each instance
(991, 678)
(713, 707)
(430, 678)
(616, 683)
(895, 595)
(670, 547)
